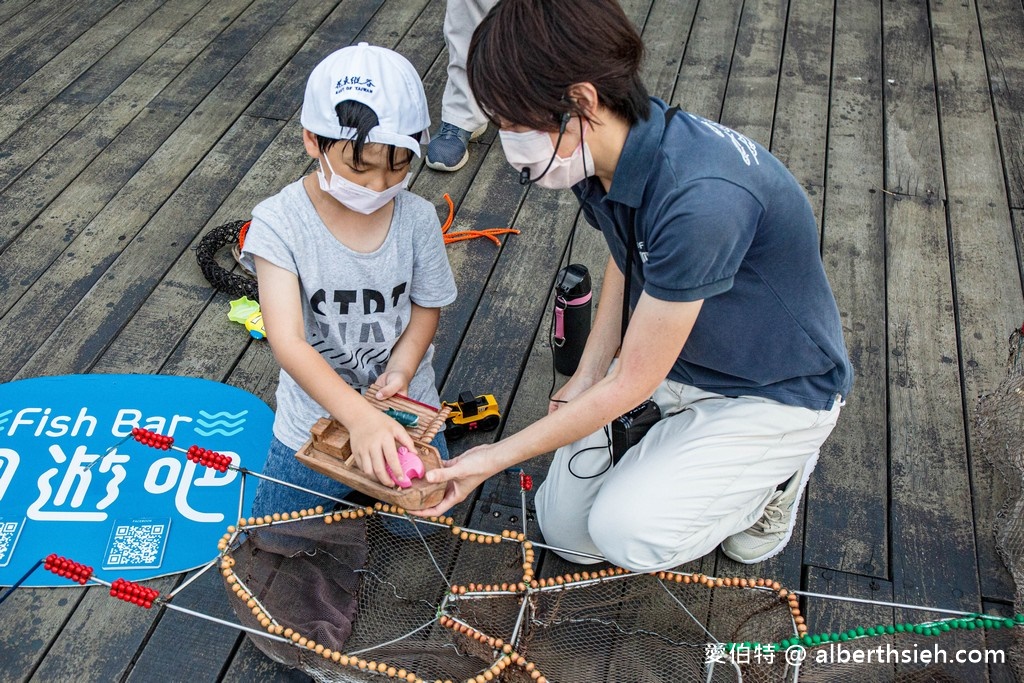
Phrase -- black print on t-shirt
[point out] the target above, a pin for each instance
(365, 322)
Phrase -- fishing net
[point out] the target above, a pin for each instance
(999, 436)
(241, 283)
(367, 594)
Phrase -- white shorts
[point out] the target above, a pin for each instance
(701, 474)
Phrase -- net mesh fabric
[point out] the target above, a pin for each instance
(377, 591)
(999, 437)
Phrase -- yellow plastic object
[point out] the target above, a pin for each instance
(247, 312)
(471, 413)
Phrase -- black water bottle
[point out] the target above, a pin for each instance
(572, 317)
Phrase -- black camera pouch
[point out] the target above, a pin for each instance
(629, 428)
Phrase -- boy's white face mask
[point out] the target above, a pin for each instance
(534, 150)
(356, 197)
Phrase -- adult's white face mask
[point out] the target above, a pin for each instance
(354, 196)
(534, 150)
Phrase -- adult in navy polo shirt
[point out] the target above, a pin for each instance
(731, 327)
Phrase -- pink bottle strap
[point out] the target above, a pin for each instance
(560, 306)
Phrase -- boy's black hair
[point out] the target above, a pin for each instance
(526, 53)
(352, 114)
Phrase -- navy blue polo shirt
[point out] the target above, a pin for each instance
(719, 218)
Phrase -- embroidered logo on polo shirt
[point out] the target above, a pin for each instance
(744, 145)
(642, 250)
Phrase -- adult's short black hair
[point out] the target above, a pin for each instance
(525, 54)
(352, 114)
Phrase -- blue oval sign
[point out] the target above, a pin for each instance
(74, 482)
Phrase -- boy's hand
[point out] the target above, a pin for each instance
(375, 438)
(392, 382)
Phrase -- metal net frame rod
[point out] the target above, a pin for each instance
(883, 603)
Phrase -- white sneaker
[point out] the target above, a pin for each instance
(770, 534)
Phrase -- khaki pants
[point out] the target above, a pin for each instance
(460, 20)
(704, 472)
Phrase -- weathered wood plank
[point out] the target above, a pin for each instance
(194, 649)
(983, 249)
(45, 127)
(749, 103)
(24, 61)
(32, 620)
(834, 616)
(930, 488)
(99, 246)
(27, 19)
(1002, 25)
(999, 645)
(913, 160)
(848, 494)
(47, 226)
(928, 471)
(492, 201)
(665, 39)
(11, 8)
(704, 72)
(802, 111)
(283, 93)
(36, 91)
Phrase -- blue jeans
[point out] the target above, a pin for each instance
(282, 464)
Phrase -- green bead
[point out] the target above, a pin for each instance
(918, 629)
(843, 637)
(871, 631)
(971, 625)
(900, 628)
(860, 630)
(806, 640)
(944, 627)
(816, 639)
(1008, 623)
(833, 637)
(1019, 618)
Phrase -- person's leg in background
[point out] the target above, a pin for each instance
(461, 118)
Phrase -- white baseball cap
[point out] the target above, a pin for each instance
(381, 79)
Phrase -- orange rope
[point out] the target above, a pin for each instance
(463, 235)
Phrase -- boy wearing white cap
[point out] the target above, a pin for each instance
(352, 271)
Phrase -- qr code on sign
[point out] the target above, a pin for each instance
(137, 544)
(9, 533)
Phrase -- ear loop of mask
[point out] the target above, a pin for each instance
(524, 175)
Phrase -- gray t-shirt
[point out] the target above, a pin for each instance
(355, 305)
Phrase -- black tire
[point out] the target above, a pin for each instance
(488, 423)
(453, 431)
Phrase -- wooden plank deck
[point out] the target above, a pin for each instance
(128, 128)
